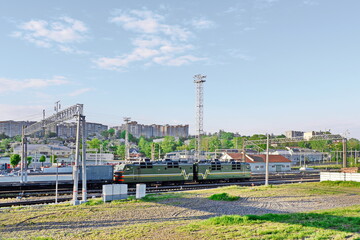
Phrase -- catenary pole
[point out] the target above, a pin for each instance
(83, 158)
(267, 161)
(344, 153)
(75, 200)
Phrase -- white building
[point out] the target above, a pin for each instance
(300, 155)
(277, 163)
(44, 149)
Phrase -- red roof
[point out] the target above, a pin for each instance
(259, 158)
(236, 156)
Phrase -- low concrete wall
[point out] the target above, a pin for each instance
(114, 192)
(36, 178)
(336, 176)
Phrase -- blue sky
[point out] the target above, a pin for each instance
(271, 65)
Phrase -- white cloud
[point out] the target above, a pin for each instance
(178, 61)
(11, 85)
(202, 23)
(20, 112)
(154, 42)
(147, 22)
(61, 32)
(71, 50)
(235, 53)
(79, 92)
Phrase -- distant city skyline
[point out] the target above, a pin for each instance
(271, 65)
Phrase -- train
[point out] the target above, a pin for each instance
(178, 172)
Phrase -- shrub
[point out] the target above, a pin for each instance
(223, 197)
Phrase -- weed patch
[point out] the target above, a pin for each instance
(223, 197)
(93, 202)
(161, 196)
(340, 184)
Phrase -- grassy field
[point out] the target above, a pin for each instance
(131, 219)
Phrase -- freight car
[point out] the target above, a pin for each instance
(175, 172)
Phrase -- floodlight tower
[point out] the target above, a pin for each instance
(199, 80)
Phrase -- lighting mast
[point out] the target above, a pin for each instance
(199, 81)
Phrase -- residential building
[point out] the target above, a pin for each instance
(44, 149)
(151, 131)
(68, 130)
(277, 163)
(299, 156)
(294, 134)
(13, 128)
(309, 135)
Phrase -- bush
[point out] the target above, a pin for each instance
(223, 197)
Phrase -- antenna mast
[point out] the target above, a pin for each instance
(199, 80)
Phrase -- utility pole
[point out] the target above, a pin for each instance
(75, 200)
(23, 177)
(267, 161)
(83, 158)
(344, 152)
(127, 150)
(152, 151)
(199, 81)
(56, 108)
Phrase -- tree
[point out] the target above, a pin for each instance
(94, 144)
(104, 145)
(111, 132)
(53, 159)
(3, 136)
(319, 145)
(238, 142)
(51, 135)
(192, 144)
(304, 144)
(5, 144)
(214, 143)
(226, 135)
(15, 160)
(105, 134)
(42, 160)
(29, 160)
(168, 144)
(226, 144)
(121, 151)
(145, 147)
(131, 137)
(353, 144)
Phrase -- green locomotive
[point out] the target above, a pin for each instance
(175, 172)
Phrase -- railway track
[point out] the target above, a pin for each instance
(24, 193)
(159, 189)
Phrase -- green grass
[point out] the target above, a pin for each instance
(328, 166)
(93, 202)
(342, 184)
(334, 224)
(223, 197)
(156, 197)
(106, 221)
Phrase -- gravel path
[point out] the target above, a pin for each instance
(193, 207)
